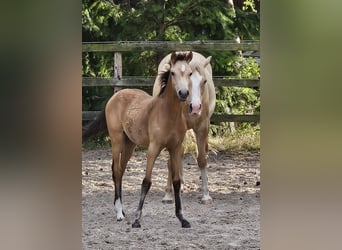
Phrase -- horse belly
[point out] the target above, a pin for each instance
(134, 125)
(137, 135)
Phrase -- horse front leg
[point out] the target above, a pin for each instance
(202, 147)
(152, 153)
(176, 161)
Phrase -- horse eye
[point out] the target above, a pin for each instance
(172, 73)
(190, 74)
(205, 81)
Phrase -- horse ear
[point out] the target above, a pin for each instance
(206, 61)
(188, 57)
(173, 57)
(166, 67)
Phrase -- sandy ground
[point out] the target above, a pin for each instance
(231, 222)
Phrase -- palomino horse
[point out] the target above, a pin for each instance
(135, 118)
(201, 105)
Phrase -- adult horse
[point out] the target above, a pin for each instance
(135, 118)
(200, 106)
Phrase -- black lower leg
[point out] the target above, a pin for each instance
(117, 191)
(145, 187)
(176, 188)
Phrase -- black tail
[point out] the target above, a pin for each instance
(96, 126)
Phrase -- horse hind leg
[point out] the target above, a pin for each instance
(122, 150)
(117, 179)
(168, 197)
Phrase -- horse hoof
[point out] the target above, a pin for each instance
(186, 224)
(136, 225)
(167, 201)
(121, 216)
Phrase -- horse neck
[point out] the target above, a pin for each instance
(205, 95)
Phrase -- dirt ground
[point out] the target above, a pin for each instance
(232, 221)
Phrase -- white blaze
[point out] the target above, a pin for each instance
(196, 79)
(183, 68)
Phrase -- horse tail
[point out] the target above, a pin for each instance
(96, 126)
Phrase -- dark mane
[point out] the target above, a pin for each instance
(181, 56)
(163, 78)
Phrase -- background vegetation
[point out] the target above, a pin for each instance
(182, 20)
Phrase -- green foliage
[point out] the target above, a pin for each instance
(245, 68)
(245, 137)
(239, 100)
(99, 18)
(107, 20)
(104, 20)
(249, 5)
(99, 141)
(246, 24)
(97, 64)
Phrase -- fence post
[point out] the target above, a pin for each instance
(117, 69)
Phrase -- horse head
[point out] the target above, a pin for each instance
(197, 86)
(180, 73)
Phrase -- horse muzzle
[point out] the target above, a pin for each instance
(183, 94)
(195, 109)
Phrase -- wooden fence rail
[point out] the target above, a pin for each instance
(129, 81)
(120, 46)
(136, 82)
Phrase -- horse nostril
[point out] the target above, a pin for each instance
(183, 94)
(195, 109)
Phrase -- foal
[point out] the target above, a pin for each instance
(136, 118)
(200, 106)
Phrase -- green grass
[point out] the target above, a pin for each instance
(241, 139)
(101, 141)
(236, 141)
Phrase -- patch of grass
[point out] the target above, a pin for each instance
(97, 142)
(235, 141)
(246, 138)
(101, 141)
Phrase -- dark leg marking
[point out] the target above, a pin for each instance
(145, 187)
(176, 188)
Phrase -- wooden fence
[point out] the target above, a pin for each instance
(120, 81)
